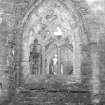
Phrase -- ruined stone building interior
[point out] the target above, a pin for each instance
(52, 52)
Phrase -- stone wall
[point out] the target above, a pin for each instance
(6, 26)
(11, 14)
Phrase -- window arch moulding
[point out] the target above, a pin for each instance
(53, 23)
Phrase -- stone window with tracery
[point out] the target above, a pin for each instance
(50, 44)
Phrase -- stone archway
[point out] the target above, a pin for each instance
(53, 22)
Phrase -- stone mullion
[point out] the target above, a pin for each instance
(76, 56)
(43, 59)
(59, 60)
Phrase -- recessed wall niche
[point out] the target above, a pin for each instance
(50, 43)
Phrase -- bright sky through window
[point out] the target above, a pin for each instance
(93, 1)
(96, 5)
(58, 32)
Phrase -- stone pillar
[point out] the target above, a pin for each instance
(59, 60)
(95, 74)
(76, 56)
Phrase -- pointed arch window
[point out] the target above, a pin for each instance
(58, 50)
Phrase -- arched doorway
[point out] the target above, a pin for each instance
(53, 23)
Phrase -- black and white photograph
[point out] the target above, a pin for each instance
(52, 52)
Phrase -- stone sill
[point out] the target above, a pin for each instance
(68, 79)
(54, 83)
